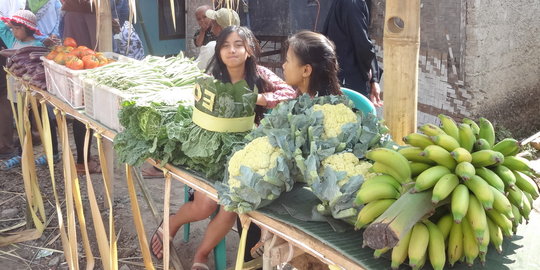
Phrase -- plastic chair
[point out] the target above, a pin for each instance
(361, 102)
(220, 252)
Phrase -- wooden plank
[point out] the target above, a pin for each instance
(401, 44)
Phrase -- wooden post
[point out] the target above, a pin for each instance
(401, 45)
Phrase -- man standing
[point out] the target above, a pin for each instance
(347, 26)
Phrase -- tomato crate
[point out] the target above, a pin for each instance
(102, 103)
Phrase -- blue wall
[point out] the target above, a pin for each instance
(148, 29)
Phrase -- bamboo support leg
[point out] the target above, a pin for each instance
(109, 155)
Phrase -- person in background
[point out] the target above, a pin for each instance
(347, 26)
(204, 34)
(235, 59)
(48, 15)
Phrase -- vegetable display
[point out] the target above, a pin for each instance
(77, 57)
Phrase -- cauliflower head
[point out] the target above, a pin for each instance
(349, 163)
(335, 116)
(259, 155)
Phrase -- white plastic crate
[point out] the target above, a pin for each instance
(66, 83)
(103, 103)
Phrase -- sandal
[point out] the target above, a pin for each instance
(10, 163)
(199, 266)
(257, 250)
(42, 160)
(158, 233)
(93, 167)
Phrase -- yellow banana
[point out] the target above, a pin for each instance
(444, 187)
(429, 177)
(495, 235)
(484, 158)
(501, 203)
(515, 196)
(516, 163)
(376, 191)
(472, 124)
(470, 246)
(440, 156)
(418, 167)
(383, 169)
(446, 141)
(501, 221)
(481, 144)
(460, 202)
(383, 178)
(491, 177)
(419, 244)
(455, 243)
(486, 131)
(392, 159)
(477, 217)
(461, 154)
(449, 126)
(507, 147)
(506, 175)
(481, 189)
(418, 140)
(371, 211)
(466, 137)
(483, 245)
(379, 252)
(445, 224)
(465, 170)
(436, 246)
(421, 262)
(431, 130)
(400, 251)
(413, 154)
(526, 184)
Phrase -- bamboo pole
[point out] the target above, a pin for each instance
(401, 47)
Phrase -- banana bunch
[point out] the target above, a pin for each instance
(482, 189)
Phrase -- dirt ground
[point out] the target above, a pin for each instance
(46, 252)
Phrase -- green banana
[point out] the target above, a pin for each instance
(526, 184)
(495, 235)
(421, 262)
(379, 252)
(436, 246)
(475, 128)
(419, 244)
(446, 141)
(383, 178)
(466, 137)
(392, 159)
(418, 167)
(400, 251)
(465, 170)
(487, 132)
(501, 221)
(507, 147)
(481, 144)
(445, 224)
(485, 158)
(431, 130)
(461, 154)
(491, 177)
(413, 154)
(483, 245)
(481, 189)
(418, 140)
(501, 203)
(440, 156)
(526, 209)
(371, 211)
(449, 126)
(516, 163)
(444, 187)
(470, 247)
(477, 217)
(529, 198)
(460, 202)
(455, 243)
(515, 196)
(429, 177)
(384, 169)
(376, 191)
(506, 175)
(517, 216)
